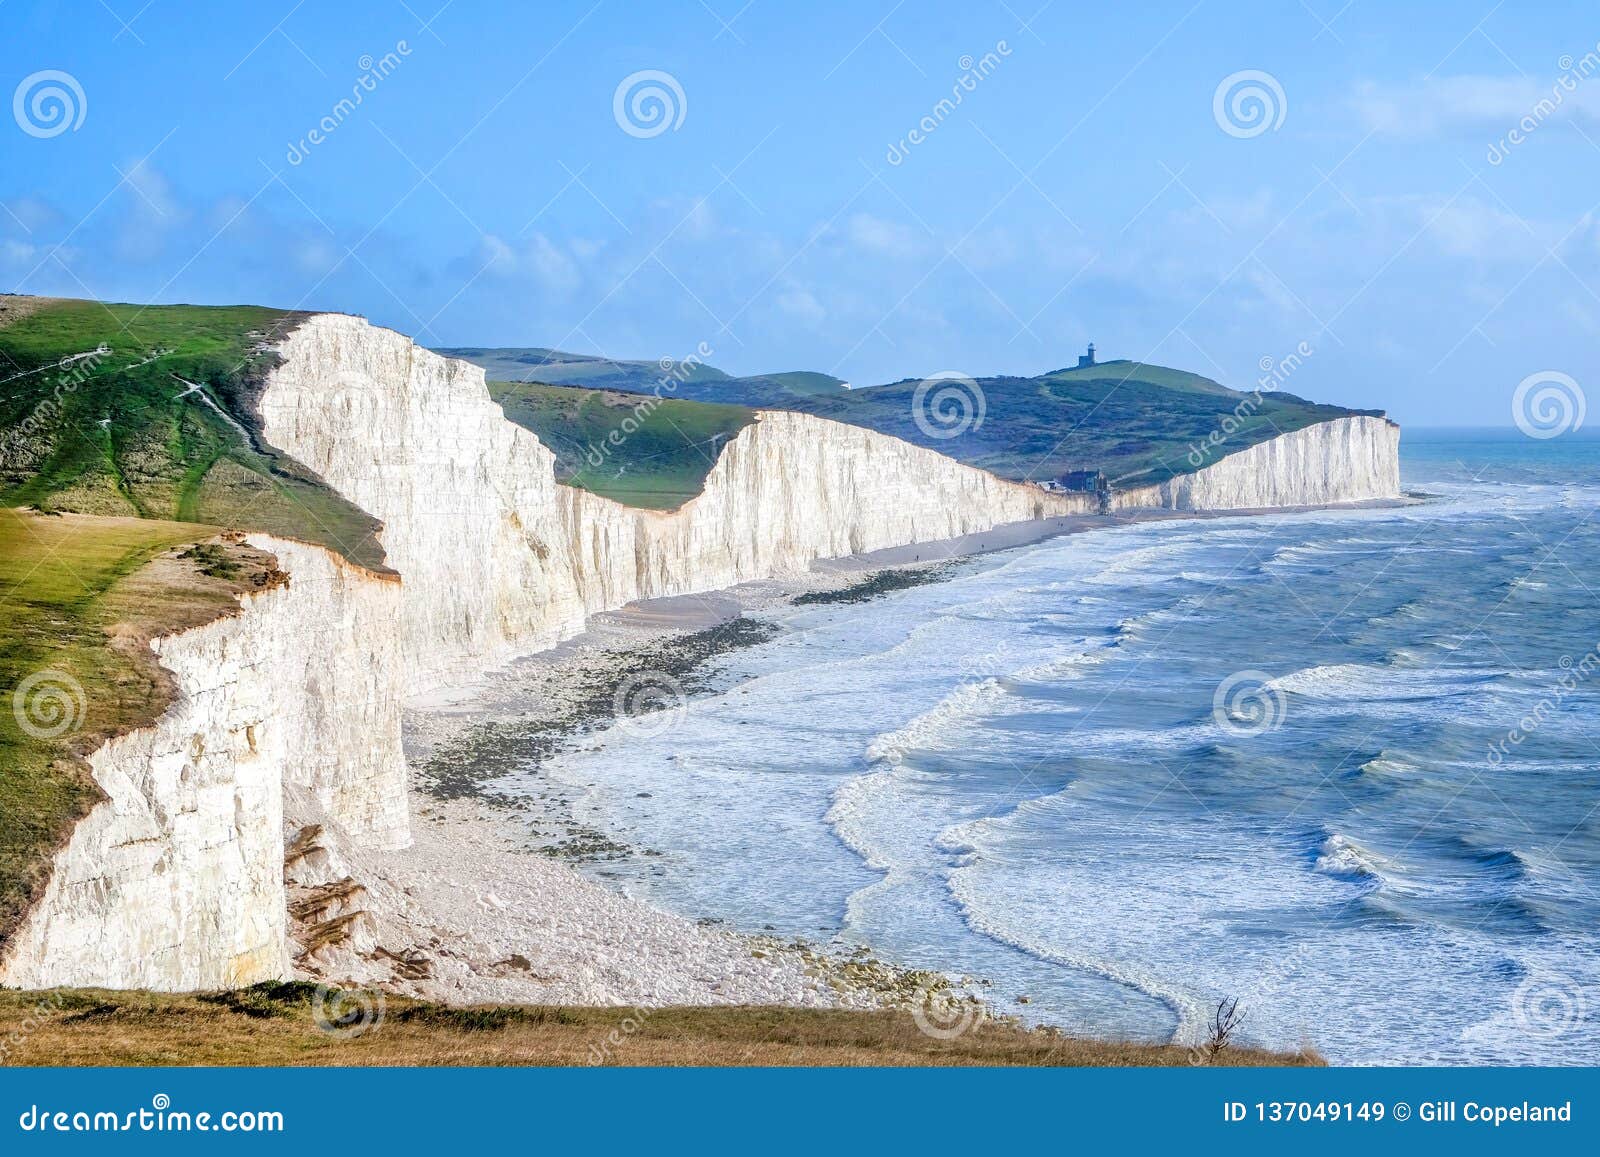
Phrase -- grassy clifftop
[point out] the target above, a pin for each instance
(131, 433)
(640, 450)
(100, 414)
(80, 596)
(1134, 421)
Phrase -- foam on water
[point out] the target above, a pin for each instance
(1018, 774)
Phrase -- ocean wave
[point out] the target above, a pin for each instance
(1365, 681)
(1384, 764)
(942, 725)
(1340, 855)
(1189, 1009)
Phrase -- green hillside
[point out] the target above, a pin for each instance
(546, 365)
(100, 417)
(1137, 423)
(637, 449)
(689, 380)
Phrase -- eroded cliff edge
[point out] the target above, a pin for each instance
(289, 712)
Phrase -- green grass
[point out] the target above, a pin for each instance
(634, 448)
(130, 470)
(65, 581)
(537, 364)
(688, 381)
(111, 435)
(1135, 421)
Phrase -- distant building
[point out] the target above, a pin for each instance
(1086, 360)
(1084, 481)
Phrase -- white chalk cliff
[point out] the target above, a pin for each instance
(176, 881)
(1346, 460)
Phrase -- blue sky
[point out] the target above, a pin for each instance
(484, 191)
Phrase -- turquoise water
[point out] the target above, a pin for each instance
(1382, 834)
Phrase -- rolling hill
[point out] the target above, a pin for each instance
(1137, 423)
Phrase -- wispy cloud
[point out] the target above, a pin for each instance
(1450, 105)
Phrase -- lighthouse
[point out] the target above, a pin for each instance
(1085, 360)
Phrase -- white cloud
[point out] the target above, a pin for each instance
(883, 238)
(802, 304)
(539, 258)
(153, 196)
(1461, 104)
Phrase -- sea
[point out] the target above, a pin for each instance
(1340, 766)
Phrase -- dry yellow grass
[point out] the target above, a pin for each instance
(279, 1025)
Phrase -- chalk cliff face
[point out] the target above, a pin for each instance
(496, 556)
(1346, 460)
(177, 881)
